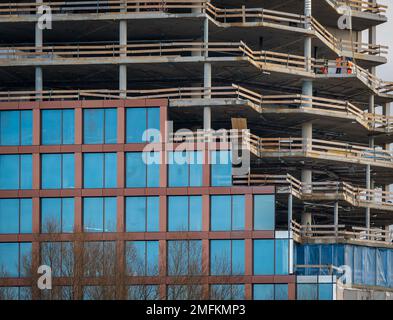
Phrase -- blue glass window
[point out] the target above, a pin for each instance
(15, 293)
(142, 169)
(59, 256)
(264, 212)
(184, 257)
(15, 259)
(143, 292)
(58, 171)
(221, 168)
(58, 293)
(142, 258)
(142, 214)
(16, 215)
(99, 293)
(282, 256)
(99, 126)
(99, 214)
(57, 215)
(99, 258)
(185, 213)
(184, 292)
(263, 291)
(280, 292)
(227, 292)
(270, 291)
(325, 291)
(16, 172)
(227, 212)
(57, 126)
(307, 291)
(263, 257)
(185, 169)
(100, 170)
(227, 257)
(16, 128)
(138, 120)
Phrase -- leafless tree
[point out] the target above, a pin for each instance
(83, 269)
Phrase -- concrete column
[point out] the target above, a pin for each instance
(39, 39)
(372, 39)
(369, 183)
(123, 53)
(386, 112)
(307, 90)
(336, 218)
(207, 78)
(290, 213)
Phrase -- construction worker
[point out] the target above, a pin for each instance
(349, 66)
(339, 62)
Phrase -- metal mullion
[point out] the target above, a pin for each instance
(188, 257)
(145, 258)
(103, 129)
(61, 170)
(188, 212)
(61, 215)
(61, 126)
(146, 119)
(231, 212)
(231, 254)
(103, 213)
(103, 168)
(146, 212)
(20, 127)
(20, 172)
(188, 168)
(19, 218)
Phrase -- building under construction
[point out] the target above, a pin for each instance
(293, 80)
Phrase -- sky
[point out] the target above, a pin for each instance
(385, 37)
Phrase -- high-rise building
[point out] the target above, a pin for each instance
(195, 150)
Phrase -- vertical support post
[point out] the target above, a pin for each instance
(123, 53)
(290, 214)
(307, 90)
(207, 77)
(336, 218)
(39, 39)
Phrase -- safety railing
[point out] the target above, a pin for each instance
(322, 149)
(100, 6)
(361, 5)
(231, 16)
(213, 136)
(263, 60)
(341, 232)
(340, 45)
(161, 49)
(321, 190)
(260, 103)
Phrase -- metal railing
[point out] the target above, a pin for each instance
(325, 190)
(260, 103)
(361, 5)
(309, 233)
(263, 60)
(317, 148)
(231, 16)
